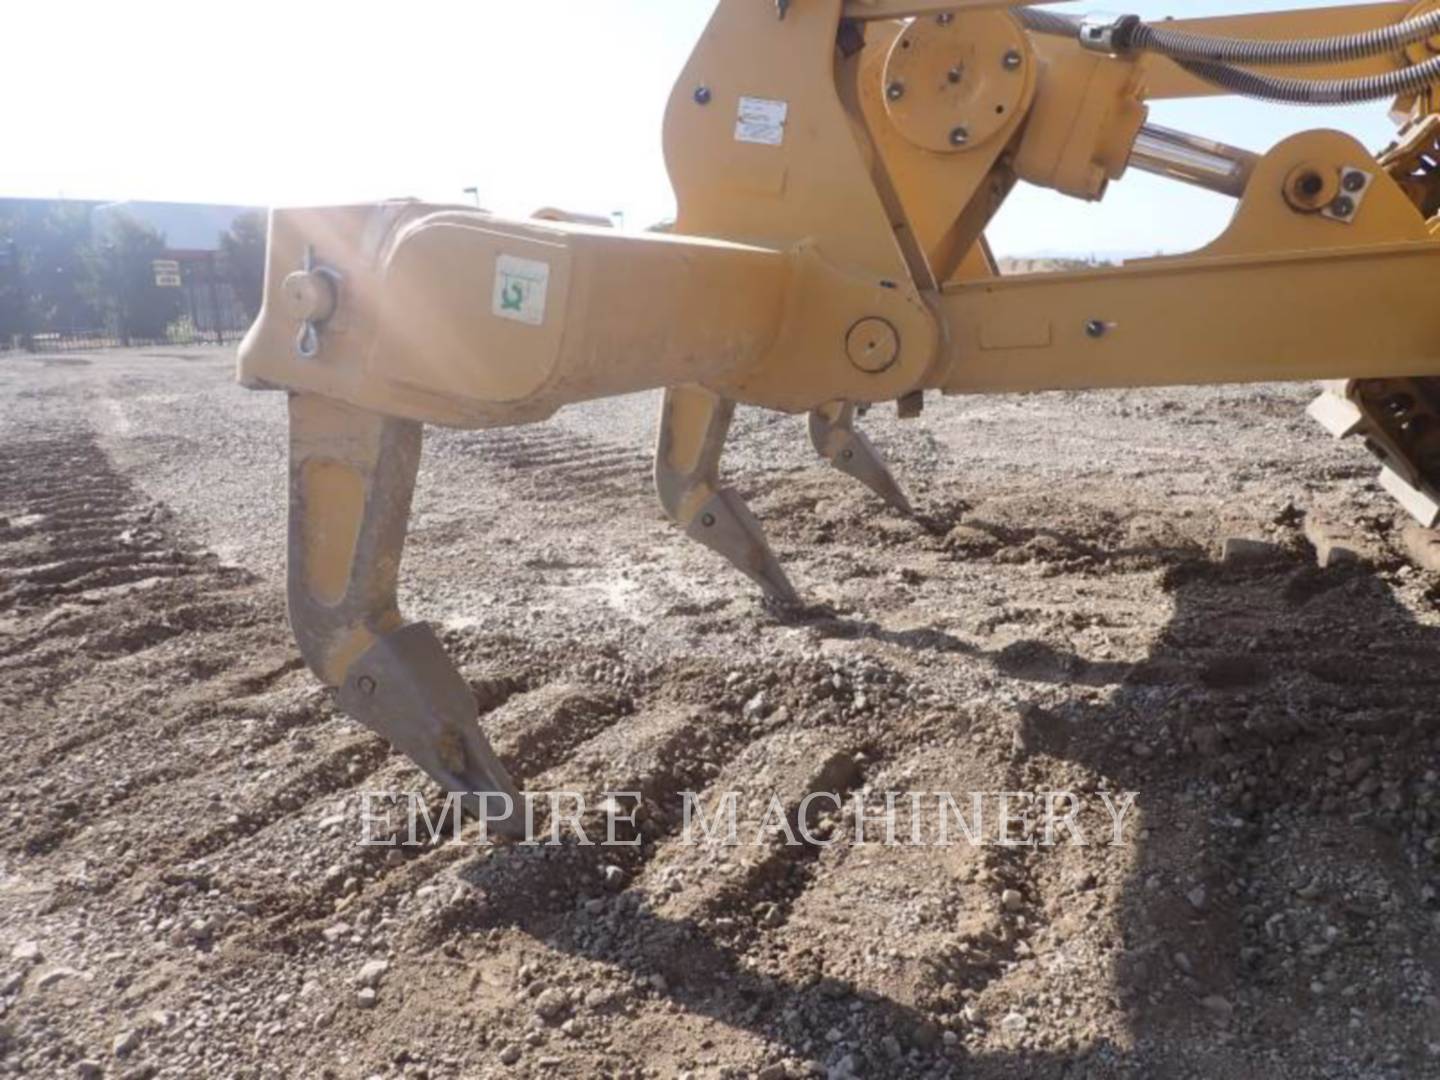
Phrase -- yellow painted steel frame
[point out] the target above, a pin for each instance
(1283, 294)
(844, 259)
(835, 169)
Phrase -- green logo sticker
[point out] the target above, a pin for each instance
(521, 286)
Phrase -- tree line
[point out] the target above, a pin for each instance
(58, 274)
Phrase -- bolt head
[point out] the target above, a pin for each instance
(1354, 182)
(702, 95)
(959, 136)
(895, 91)
(1095, 328)
(945, 18)
(1344, 206)
(1012, 60)
(366, 685)
(708, 520)
(308, 296)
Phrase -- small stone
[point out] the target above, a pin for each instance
(27, 952)
(53, 976)
(1423, 546)
(371, 974)
(1198, 897)
(336, 932)
(1015, 1023)
(1012, 900)
(125, 1042)
(1247, 551)
(1336, 543)
(552, 1005)
(1357, 769)
(1142, 749)
(510, 1055)
(366, 997)
(89, 1069)
(1207, 739)
(1217, 1006)
(658, 983)
(776, 1071)
(11, 983)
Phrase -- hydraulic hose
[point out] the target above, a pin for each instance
(1214, 59)
(1048, 22)
(1132, 35)
(1254, 84)
(1332, 50)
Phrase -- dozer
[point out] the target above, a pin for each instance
(835, 164)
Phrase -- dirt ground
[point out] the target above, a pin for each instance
(183, 894)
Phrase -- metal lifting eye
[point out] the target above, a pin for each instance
(308, 343)
(311, 295)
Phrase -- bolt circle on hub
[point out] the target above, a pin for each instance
(968, 74)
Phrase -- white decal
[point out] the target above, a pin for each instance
(761, 121)
(520, 287)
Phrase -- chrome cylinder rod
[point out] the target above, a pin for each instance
(1193, 160)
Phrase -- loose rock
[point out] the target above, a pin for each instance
(371, 974)
(125, 1042)
(53, 976)
(552, 1005)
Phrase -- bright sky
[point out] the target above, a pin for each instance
(536, 103)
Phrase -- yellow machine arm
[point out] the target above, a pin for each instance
(836, 163)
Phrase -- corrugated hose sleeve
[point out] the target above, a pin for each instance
(1318, 91)
(1214, 59)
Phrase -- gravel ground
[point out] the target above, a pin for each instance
(181, 888)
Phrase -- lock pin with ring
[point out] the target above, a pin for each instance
(310, 296)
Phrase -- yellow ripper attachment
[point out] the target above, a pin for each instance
(836, 163)
(1399, 421)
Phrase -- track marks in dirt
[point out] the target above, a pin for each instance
(553, 465)
(118, 643)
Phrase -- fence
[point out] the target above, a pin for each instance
(211, 314)
(183, 332)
